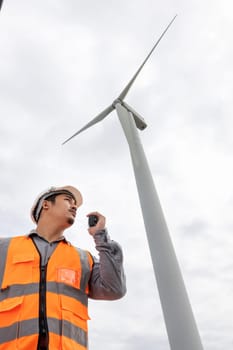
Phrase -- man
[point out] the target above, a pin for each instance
(46, 282)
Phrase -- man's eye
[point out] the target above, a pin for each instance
(69, 199)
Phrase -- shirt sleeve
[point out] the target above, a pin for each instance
(107, 281)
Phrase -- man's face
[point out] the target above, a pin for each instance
(63, 210)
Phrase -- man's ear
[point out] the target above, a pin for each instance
(46, 205)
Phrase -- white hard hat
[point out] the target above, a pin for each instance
(37, 205)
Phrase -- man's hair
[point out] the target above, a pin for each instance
(52, 198)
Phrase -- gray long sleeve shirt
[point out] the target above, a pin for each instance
(107, 281)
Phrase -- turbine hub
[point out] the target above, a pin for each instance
(118, 100)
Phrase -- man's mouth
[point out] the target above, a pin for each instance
(73, 212)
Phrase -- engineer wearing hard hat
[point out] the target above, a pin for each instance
(45, 281)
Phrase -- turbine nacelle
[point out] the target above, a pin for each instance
(139, 120)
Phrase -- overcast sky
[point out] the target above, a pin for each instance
(61, 63)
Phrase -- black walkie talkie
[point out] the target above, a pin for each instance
(92, 220)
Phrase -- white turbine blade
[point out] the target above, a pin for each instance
(128, 86)
(97, 119)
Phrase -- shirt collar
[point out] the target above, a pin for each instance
(35, 233)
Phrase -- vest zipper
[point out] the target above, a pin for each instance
(43, 341)
(43, 325)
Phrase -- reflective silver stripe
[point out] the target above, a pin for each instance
(4, 244)
(17, 290)
(65, 289)
(18, 330)
(67, 329)
(31, 327)
(86, 271)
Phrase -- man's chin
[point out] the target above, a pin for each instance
(70, 221)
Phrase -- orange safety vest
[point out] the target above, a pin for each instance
(67, 275)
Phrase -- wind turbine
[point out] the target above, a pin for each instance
(178, 316)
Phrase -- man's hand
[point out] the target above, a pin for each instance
(100, 223)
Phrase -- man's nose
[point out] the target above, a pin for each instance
(74, 206)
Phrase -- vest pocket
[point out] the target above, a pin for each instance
(74, 328)
(10, 304)
(9, 318)
(74, 323)
(74, 310)
(23, 258)
(23, 265)
(19, 270)
(68, 276)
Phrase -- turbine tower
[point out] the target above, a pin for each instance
(178, 316)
